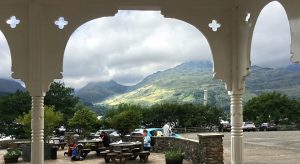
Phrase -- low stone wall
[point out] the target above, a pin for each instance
(10, 143)
(209, 148)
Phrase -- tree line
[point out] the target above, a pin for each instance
(63, 108)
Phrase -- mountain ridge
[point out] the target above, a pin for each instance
(185, 82)
(8, 86)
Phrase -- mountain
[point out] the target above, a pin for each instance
(9, 86)
(99, 91)
(185, 83)
(285, 80)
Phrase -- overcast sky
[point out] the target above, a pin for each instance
(134, 44)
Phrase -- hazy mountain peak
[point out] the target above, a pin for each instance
(9, 86)
(192, 65)
(98, 91)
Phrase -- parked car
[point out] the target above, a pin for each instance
(268, 127)
(249, 126)
(226, 127)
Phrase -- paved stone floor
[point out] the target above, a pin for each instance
(282, 147)
(92, 158)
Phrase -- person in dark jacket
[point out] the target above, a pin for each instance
(105, 139)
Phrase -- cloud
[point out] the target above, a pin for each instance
(5, 58)
(271, 38)
(130, 46)
(134, 44)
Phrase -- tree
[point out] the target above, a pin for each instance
(63, 99)
(274, 107)
(11, 107)
(181, 115)
(83, 120)
(125, 118)
(52, 119)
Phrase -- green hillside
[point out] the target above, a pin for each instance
(185, 82)
(182, 84)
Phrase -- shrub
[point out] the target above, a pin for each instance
(174, 155)
(14, 153)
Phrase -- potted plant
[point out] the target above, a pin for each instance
(174, 157)
(12, 156)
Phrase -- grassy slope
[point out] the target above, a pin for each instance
(185, 84)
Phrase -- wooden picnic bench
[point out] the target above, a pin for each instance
(85, 152)
(61, 145)
(144, 156)
(124, 156)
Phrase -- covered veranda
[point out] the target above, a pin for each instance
(38, 30)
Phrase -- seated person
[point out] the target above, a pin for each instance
(105, 139)
(72, 146)
(76, 153)
(147, 140)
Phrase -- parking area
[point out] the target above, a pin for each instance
(272, 147)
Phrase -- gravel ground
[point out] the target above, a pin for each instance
(280, 147)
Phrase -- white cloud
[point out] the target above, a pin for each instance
(271, 39)
(5, 58)
(130, 46)
(134, 44)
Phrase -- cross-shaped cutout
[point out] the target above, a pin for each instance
(248, 16)
(214, 25)
(61, 22)
(13, 22)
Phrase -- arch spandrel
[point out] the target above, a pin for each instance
(292, 10)
(57, 38)
(17, 39)
(246, 18)
(219, 41)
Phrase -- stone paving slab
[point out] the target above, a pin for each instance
(271, 147)
(281, 147)
(92, 158)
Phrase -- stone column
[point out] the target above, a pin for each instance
(236, 109)
(37, 126)
(211, 145)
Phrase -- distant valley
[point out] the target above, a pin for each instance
(182, 84)
(185, 83)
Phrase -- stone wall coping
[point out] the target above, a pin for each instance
(186, 139)
(210, 135)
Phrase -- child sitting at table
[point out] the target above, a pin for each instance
(72, 146)
(76, 153)
(147, 140)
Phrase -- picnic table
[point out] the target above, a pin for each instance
(92, 141)
(119, 146)
(95, 145)
(58, 142)
(124, 151)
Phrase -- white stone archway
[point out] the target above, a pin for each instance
(37, 44)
